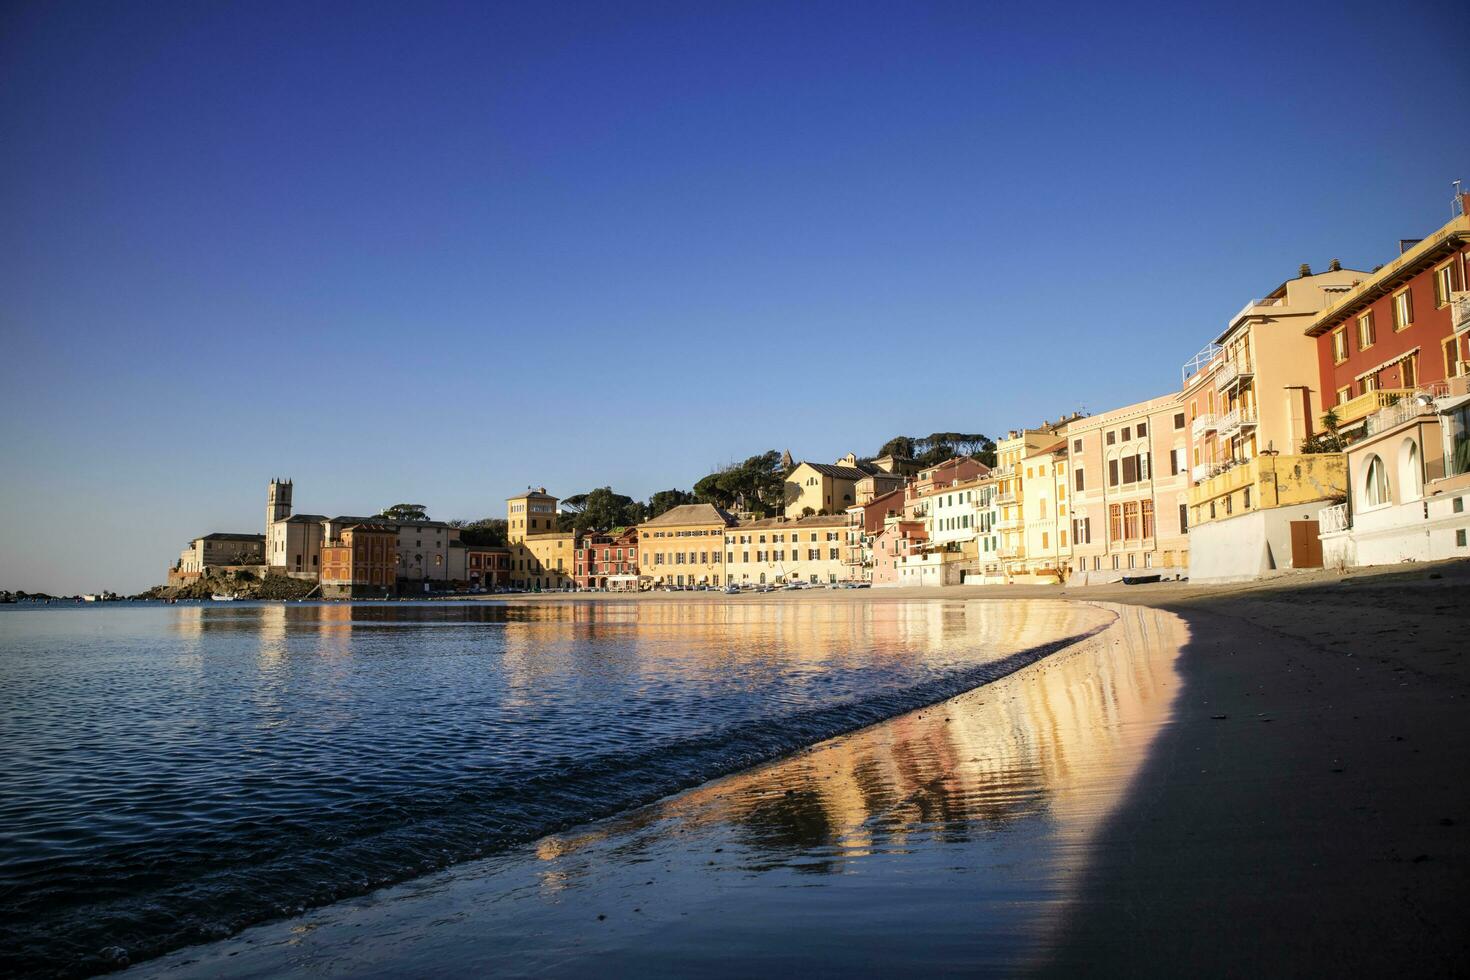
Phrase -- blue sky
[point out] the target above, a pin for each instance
(437, 253)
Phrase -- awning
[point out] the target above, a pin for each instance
(1387, 364)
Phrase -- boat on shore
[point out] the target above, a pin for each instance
(1140, 579)
(219, 597)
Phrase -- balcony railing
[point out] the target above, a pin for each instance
(1205, 423)
(1006, 497)
(1331, 520)
(1231, 372)
(1355, 410)
(1009, 524)
(1200, 472)
(1236, 419)
(1397, 414)
(1460, 311)
(1200, 361)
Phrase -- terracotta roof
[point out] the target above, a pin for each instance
(816, 520)
(691, 514)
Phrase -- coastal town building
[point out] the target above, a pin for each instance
(1010, 492)
(1129, 492)
(217, 550)
(778, 550)
(359, 561)
(900, 539)
(293, 542)
(866, 521)
(683, 547)
(1408, 481)
(541, 557)
(823, 488)
(1044, 512)
(1256, 386)
(608, 560)
(480, 567)
(1403, 329)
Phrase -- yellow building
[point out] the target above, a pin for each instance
(541, 557)
(1260, 516)
(1010, 494)
(1044, 510)
(1256, 387)
(776, 550)
(684, 547)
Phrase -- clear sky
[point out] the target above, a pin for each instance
(436, 253)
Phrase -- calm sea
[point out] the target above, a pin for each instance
(172, 774)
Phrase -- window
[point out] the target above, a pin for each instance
(1115, 522)
(1403, 310)
(1176, 461)
(1130, 520)
(1339, 346)
(1127, 433)
(1246, 498)
(1112, 438)
(1344, 394)
(1375, 484)
(1410, 371)
(1112, 472)
(1147, 510)
(1365, 331)
(1444, 284)
(1142, 429)
(1452, 357)
(1076, 445)
(1411, 473)
(1183, 518)
(1130, 469)
(1179, 421)
(1077, 476)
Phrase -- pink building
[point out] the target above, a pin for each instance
(898, 540)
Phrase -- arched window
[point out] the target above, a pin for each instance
(1375, 487)
(1411, 473)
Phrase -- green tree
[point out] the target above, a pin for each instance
(755, 484)
(665, 500)
(1330, 440)
(405, 512)
(486, 532)
(601, 509)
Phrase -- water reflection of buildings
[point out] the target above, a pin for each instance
(1058, 741)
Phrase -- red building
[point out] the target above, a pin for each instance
(361, 562)
(1402, 329)
(486, 566)
(608, 560)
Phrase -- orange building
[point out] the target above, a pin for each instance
(361, 562)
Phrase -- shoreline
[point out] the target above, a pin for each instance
(1318, 825)
(794, 859)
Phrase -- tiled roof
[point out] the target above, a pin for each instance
(227, 536)
(305, 519)
(690, 514)
(836, 471)
(816, 520)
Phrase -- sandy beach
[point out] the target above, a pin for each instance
(1258, 779)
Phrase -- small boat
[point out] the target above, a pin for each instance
(217, 597)
(1140, 579)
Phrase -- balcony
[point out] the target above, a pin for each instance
(1009, 524)
(1200, 473)
(1355, 410)
(1006, 497)
(1205, 423)
(1397, 414)
(1008, 551)
(1235, 420)
(1333, 520)
(1231, 373)
(1460, 311)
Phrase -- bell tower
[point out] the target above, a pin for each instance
(278, 502)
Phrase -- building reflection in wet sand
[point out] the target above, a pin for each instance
(947, 838)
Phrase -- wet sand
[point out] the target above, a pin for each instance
(1260, 779)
